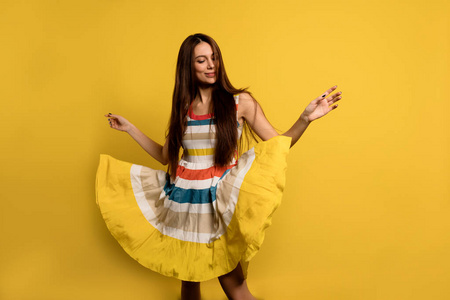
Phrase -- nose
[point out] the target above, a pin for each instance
(210, 64)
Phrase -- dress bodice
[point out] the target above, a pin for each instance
(199, 140)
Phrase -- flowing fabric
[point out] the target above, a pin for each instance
(202, 224)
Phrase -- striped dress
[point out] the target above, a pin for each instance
(202, 224)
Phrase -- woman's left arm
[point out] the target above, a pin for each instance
(319, 107)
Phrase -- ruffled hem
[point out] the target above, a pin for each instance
(143, 220)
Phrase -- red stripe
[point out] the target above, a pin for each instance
(198, 117)
(202, 117)
(202, 174)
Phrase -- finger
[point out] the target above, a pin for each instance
(111, 115)
(330, 108)
(331, 97)
(334, 99)
(327, 92)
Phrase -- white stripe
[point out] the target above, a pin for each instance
(199, 144)
(204, 208)
(139, 194)
(187, 207)
(190, 119)
(195, 166)
(196, 184)
(200, 129)
(229, 211)
(189, 164)
(150, 216)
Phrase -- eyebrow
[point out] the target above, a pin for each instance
(205, 56)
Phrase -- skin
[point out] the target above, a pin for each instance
(204, 65)
(233, 283)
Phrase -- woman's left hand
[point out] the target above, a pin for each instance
(320, 106)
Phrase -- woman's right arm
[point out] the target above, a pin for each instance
(158, 152)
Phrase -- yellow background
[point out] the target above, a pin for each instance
(366, 209)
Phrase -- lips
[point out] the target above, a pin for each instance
(210, 74)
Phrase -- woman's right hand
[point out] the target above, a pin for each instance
(118, 122)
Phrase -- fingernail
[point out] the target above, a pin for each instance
(109, 114)
(323, 95)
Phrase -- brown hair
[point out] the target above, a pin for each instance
(223, 105)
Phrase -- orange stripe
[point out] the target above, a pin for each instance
(198, 117)
(202, 117)
(203, 173)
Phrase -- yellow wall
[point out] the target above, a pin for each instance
(366, 209)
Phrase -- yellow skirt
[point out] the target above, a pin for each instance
(193, 241)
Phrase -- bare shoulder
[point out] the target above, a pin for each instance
(246, 102)
(245, 97)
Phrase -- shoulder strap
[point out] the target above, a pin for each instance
(236, 100)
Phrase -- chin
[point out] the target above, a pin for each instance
(210, 81)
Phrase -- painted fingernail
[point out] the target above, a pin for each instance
(323, 95)
(109, 114)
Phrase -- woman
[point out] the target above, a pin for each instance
(206, 216)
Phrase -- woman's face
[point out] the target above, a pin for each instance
(205, 64)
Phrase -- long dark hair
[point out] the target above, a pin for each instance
(223, 105)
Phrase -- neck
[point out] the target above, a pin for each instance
(204, 93)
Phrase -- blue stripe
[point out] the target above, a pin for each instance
(205, 122)
(181, 195)
(201, 122)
